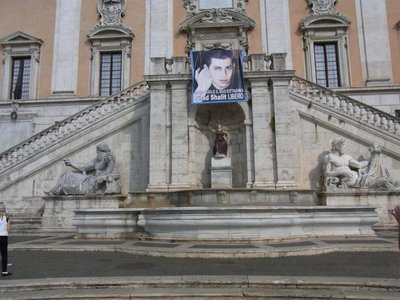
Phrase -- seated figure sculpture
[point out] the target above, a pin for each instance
(336, 167)
(100, 176)
(375, 176)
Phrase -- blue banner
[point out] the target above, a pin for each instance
(217, 76)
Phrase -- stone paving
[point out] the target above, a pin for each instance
(57, 266)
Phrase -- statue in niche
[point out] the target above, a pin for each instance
(375, 176)
(100, 176)
(111, 12)
(220, 144)
(342, 171)
(337, 167)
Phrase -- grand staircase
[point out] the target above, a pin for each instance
(41, 148)
(330, 109)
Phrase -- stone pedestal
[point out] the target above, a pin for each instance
(383, 201)
(59, 210)
(221, 172)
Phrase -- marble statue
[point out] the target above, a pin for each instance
(375, 176)
(220, 143)
(100, 176)
(336, 167)
(342, 171)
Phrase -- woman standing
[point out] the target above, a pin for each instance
(4, 229)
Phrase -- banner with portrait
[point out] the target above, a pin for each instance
(217, 76)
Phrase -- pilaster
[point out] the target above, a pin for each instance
(158, 168)
(275, 28)
(66, 46)
(159, 30)
(179, 135)
(285, 130)
(262, 134)
(374, 41)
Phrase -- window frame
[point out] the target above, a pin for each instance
(15, 46)
(111, 72)
(106, 39)
(12, 92)
(327, 28)
(326, 61)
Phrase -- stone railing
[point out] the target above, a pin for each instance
(63, 129)
(352, 108)
(252, 63)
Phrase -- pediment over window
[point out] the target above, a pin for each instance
(324, 21)
(218, 18)
(217, 28)
(20, 38)
(110, 32)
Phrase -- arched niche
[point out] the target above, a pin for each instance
(204, 120)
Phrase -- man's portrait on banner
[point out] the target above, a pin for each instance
(217, 76)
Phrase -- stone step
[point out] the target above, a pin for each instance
(26, 223)
(167, 289)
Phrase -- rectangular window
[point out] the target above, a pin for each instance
(20, 77)
(326, 64)
(110, 73)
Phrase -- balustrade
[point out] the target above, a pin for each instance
(348, 106)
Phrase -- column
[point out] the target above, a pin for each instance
(179, 135)
(66, 48)
(374, 41)
(262, 134)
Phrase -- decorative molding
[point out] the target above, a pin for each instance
(193, 7)
(217, 28)
(111, 12)
(323, 6)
